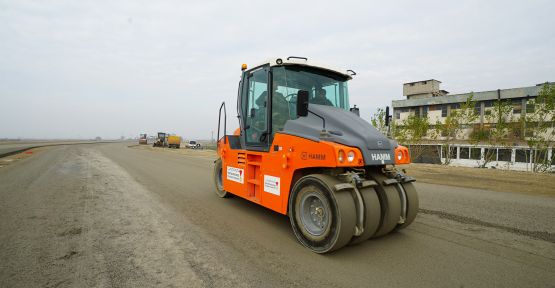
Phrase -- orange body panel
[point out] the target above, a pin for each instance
(266, 177)
(402, 155)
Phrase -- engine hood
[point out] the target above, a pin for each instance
(345, 128)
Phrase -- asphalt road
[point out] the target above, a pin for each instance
(107, 215)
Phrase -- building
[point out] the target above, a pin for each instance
(423, 89)
(426, 99)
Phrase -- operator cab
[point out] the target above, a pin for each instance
(268, 96)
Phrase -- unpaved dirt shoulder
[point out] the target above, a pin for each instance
(12, 159)
(542, 184)
(85, 223)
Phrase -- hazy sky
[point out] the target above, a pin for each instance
(79, 69)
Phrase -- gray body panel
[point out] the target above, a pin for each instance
(354, 131)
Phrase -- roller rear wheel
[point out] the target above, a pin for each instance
(322, 220)
(390, 204)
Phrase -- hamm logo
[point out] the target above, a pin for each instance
(380, 156)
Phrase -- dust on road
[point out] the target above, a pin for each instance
(96, 226)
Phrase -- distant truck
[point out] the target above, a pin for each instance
(143, 139)
(161, 140)
(193, 145)
(174, 141)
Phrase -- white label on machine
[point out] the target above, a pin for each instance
(235, 174)
(271, 184)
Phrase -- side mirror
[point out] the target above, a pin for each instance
(387, 116)
(302, 103)
(355, 110)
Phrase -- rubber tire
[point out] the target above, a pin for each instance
(372, 214)
(343, 213)
(215, 174)
(412, 205)
(390, 204)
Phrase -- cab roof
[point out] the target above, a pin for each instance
(303, 61)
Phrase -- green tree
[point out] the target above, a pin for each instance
(454, 125)
(412, 132)
(540, 133)
(378, 121)
(497, 129)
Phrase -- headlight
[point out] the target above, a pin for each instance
(341, 156)
(350, 156)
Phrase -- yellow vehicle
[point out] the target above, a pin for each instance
(174, 141)
(161, 140)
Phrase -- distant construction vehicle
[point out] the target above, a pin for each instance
(161, 140)
(301, 152)
(193, 145)
(174, 141)
(143, 139)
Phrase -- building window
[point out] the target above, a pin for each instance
(453, 152)
(491, 154)
(522, 156)
(540, 156)
(530, 128)
(517, 106)
(530, 106)
(397, 114)
(504, 155)
(424, 111)
(456, 106)
(417, 111)
(478, 108)
(443, 110)
(488, 103)
(476, 153)
(464, 153)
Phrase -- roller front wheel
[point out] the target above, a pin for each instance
(322, 220)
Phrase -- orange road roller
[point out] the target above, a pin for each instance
(300, 150)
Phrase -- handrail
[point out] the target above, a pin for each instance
(219, 121)
(297, 57)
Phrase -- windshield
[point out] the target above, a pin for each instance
(324, 87)
(192, 142)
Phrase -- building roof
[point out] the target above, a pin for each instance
(421, 81)
(531, 91)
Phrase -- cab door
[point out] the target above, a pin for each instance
(255, 129)
(255, 97)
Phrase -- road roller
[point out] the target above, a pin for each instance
(302, 151)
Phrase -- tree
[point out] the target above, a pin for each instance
(452, 128)
(412, 132)
(378, 121)
(540, 133)
(497, 130)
